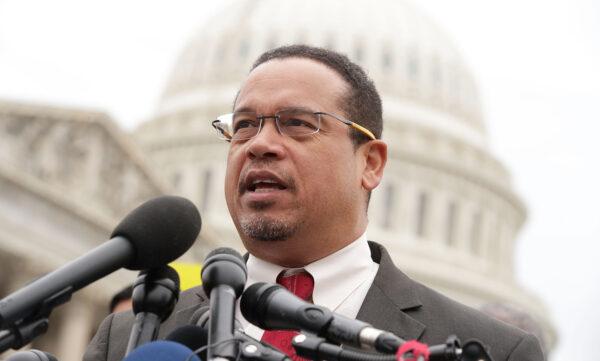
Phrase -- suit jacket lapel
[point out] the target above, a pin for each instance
(389, 299)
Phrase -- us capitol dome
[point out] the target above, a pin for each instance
(446, 209)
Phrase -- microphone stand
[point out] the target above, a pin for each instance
(155, 293)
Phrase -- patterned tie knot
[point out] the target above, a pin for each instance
(299, 282)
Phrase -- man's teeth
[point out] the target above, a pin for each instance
(264, 185)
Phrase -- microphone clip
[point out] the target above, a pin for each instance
(22, 332)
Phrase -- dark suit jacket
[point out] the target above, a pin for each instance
(394, 303)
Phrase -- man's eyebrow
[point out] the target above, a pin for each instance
(287, 109)
(244, 109)
(297, 108)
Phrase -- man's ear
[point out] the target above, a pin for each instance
(375, 155)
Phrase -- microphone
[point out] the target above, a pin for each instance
(193, 337)
(196, 337)
(272, 307)
(31, 355)
(153, 234)
(223, 279)
(155, 293)
(474, 350)
(162, 351)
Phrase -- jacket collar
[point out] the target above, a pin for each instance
(391, 298)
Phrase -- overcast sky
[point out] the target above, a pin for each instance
(537, 67)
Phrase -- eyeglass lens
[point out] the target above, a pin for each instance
(245, 125)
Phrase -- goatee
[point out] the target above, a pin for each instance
(267, 229)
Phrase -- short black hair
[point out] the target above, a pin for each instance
(361, 104)
(122, 295)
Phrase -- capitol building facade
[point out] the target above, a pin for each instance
(446, 209)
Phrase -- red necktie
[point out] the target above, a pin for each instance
(301, 284)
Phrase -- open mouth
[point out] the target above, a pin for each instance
(264, 185)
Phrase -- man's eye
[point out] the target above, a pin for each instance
(297, 122)
(243, 124)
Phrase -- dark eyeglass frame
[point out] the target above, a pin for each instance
(224, 134)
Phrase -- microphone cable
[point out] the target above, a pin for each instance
(317, 348)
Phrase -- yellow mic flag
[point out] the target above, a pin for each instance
(189, 274)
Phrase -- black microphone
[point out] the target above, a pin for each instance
(153, 234)
(474, 350)
(272, 307)
(31, 355)
(155, 293)
(193, 337)
(223, 279)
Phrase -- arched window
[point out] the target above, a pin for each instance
(422, 215)
(387, 59)
(451, 217)
(243, 49)
(206, 188)
(412, 64)
(475, 236)
(221, 53)
(176, 180)
(436, 73)
(359, 52)
(389, 202)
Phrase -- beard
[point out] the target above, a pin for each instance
(266, 229)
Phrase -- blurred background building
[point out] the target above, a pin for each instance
(446, 211)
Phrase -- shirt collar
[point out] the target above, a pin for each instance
(336, 276)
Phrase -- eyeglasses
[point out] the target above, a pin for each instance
(293, 123)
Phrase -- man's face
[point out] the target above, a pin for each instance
(292, 194)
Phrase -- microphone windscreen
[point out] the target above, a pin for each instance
(193, 337)
(161, 272)
(225, 250)
(254, 302)
(474, 350)
(224, 266)
(161, 230)
(162, 351)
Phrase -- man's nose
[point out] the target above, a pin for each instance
(268, 142)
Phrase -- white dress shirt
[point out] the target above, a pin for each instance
(342, 280)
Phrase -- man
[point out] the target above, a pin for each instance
(305, 153)
(121, 301)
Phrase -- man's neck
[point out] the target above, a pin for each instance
(295, 253)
